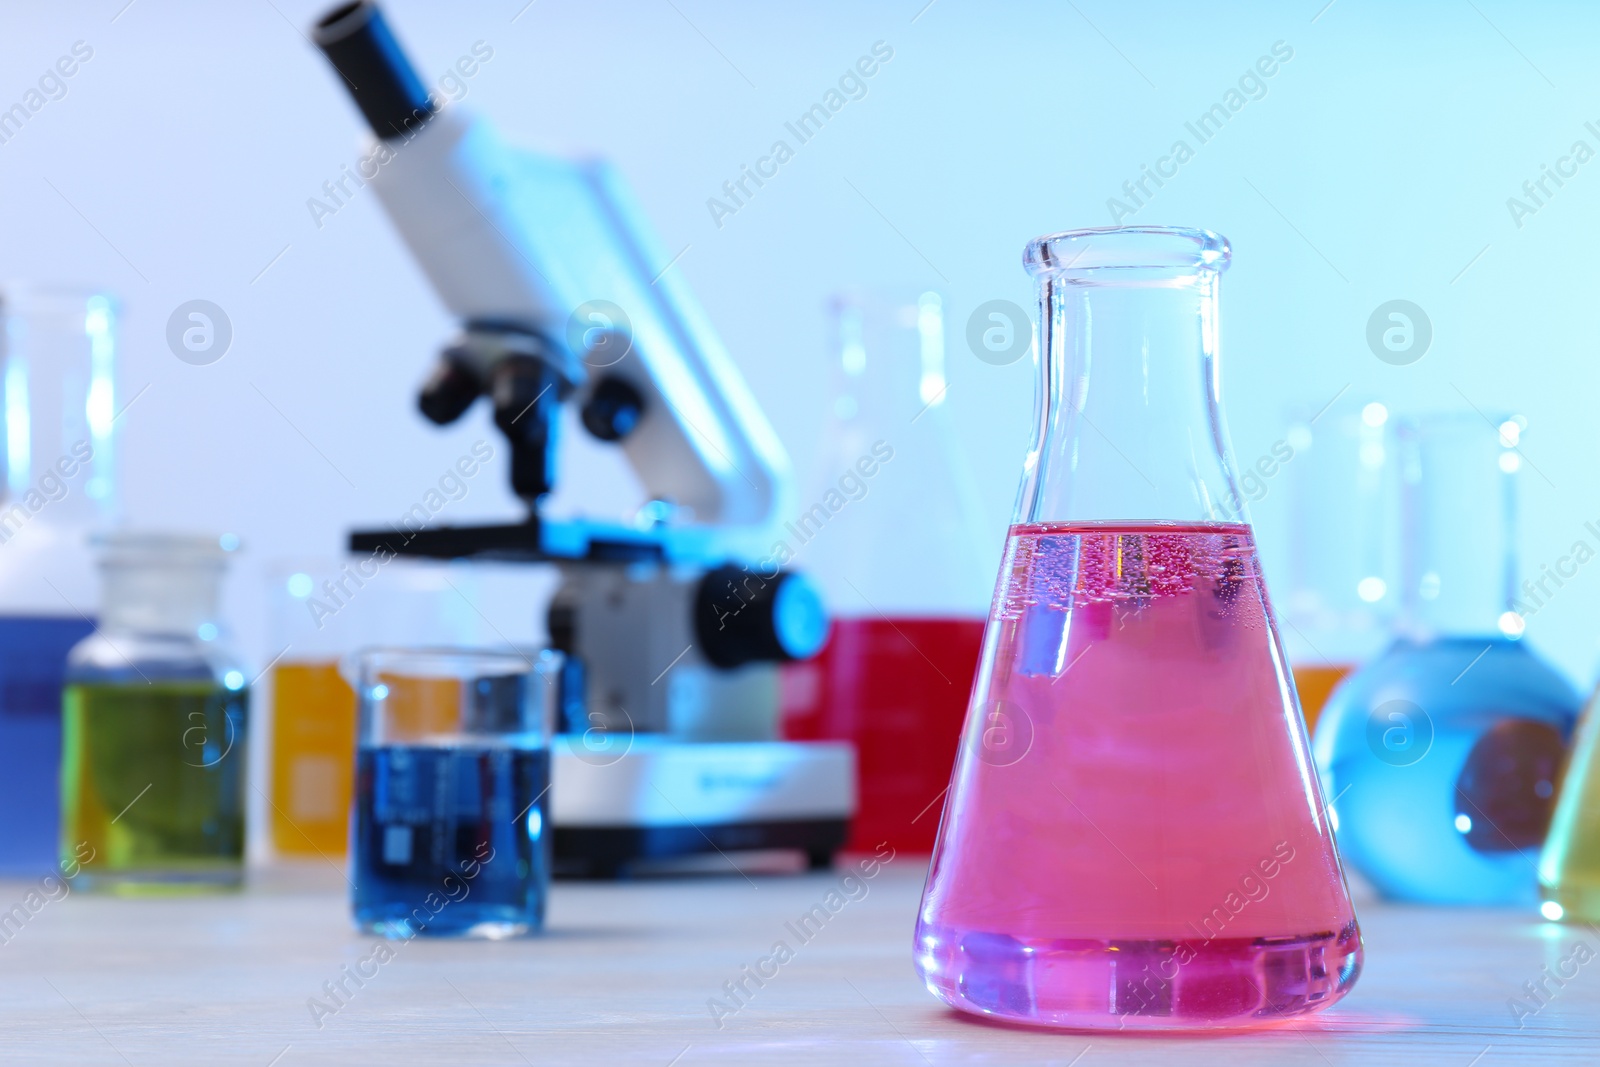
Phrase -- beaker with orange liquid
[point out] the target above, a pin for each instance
(324, 611)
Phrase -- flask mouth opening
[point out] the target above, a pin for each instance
(444, 663)
(1174, 250)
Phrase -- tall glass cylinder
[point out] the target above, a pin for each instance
(1132, 837)
(57, 396)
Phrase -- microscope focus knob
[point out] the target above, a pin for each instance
(613, 410)
(741, 616)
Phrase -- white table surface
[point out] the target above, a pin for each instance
(625, 970)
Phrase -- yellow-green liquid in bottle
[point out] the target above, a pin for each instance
(153, 784)
(1569, 867)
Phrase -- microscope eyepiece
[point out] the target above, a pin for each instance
(359, 44)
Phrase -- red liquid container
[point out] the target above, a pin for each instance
(1134, 836)
(891, 526)
(897, 688)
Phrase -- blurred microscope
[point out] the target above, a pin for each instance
(673, 627)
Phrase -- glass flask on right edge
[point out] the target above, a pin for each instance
(1442, 754)
(1133, 837)
(1569, 866)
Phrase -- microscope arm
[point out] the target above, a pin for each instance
(551, 269)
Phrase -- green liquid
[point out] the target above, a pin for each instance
(1569, 867)
(152, 783)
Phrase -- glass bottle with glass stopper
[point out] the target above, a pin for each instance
(1133, 838)
(155, 724)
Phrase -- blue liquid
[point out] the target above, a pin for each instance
(33, 661)
(451, 840)
(1440, 760)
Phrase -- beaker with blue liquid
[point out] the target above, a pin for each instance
(452, 819)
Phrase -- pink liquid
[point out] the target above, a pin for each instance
(1134, 835)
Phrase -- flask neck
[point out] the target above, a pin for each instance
(889, 360)
(1459, 476)
(1128, 412)
(886, 442)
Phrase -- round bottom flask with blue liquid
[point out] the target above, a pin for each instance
(1441, 756)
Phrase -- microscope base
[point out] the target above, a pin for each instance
(659, 799)
(607, 851)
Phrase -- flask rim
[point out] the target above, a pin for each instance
(446, 662)
(23, 298)
(1177, 249)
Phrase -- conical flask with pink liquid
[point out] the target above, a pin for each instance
(1134, 836)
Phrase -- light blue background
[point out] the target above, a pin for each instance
(1377, 166)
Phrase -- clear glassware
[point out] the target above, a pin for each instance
(155, 724)
(311, 708)
(1133, 837)
(1569, 865)
(58, 384)
(1344, 579)
(323, 611)
(907, 598)
(1442, 754)
(57, 364)
(452, 812)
